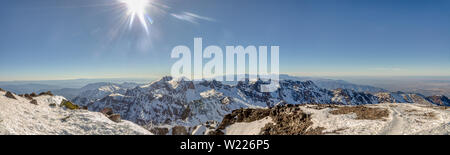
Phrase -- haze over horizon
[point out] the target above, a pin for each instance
(92, 39)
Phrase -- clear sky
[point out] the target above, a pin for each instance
(69, 39)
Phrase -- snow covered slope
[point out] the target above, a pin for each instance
(96, 91)
(403, 119)
(20, 117)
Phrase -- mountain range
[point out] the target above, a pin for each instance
(174, 102)
(179, 106)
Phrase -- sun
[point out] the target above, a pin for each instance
(137, 9)
(136, 6)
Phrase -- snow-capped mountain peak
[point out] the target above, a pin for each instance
(170, 101)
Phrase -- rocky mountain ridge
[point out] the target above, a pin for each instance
(189, 103)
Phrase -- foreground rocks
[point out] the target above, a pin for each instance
(287, 120)
(32, 95)
(317, 119)
(439, 100)
(108, 112)
(69, 105)
(159, 131)
(10, 95)
(115, 118)
(34, 102)
(363, 112)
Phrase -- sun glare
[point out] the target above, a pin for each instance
(137, 9)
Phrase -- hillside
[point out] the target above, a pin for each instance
(171, 102)
(44, 116)
(379, 119)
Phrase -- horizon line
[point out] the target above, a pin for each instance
(315, 76)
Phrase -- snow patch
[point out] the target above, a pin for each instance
(19, 117)
(251, 128)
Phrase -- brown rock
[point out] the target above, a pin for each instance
(179, 130)
(49, 93)
(28, 96)
(107, 111)
(191, 85)
(34, 102)
(159, 131)
(33, 95)
(362, 112)
(69, 105)
(226, 100)
(10, 95)
(115, 118)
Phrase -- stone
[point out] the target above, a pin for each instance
(115, 118)
(10, 95)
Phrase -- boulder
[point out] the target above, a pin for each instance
(10, 95)
(115, 118)
(49, 93)
(34, 102)
(69, 105)
(107, 111)
(179, 130)
(33, 95)
(28, 96)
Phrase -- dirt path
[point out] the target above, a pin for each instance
(396, 125)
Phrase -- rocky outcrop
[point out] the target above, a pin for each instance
(69, 105)
(384, 119)
(107, 111)
(30, 96)
(49, 93)
(19, 117)
(401, 97)
(115, 118)
(179, 130)
(363, 112)
(287, 120)
(350, 97)
(159, 131)
(34, 102)
(439, 100)
(27, 96)
(10, 95)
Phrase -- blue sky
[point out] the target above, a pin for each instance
(69, 39)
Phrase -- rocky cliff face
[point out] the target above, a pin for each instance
(96, 91)
(439, 100)
(400, 97)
